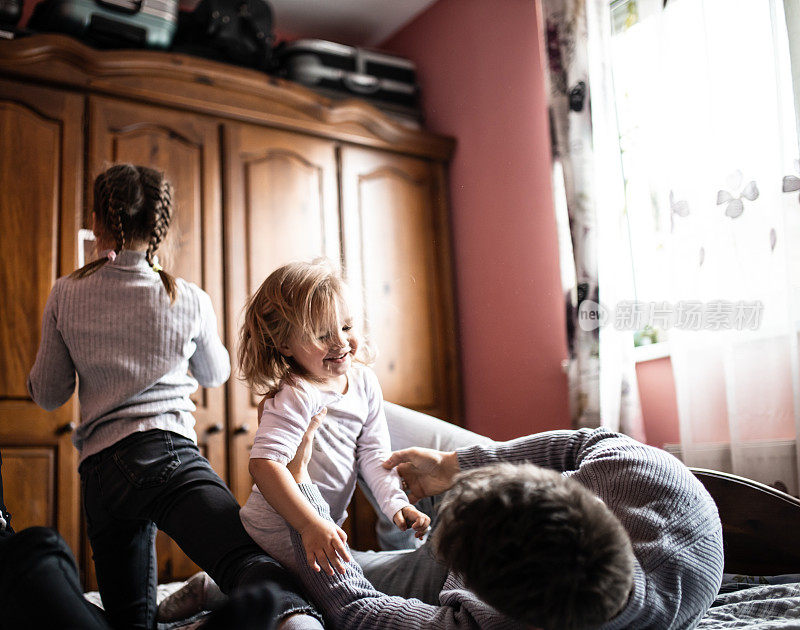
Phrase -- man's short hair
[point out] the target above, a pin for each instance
(536, 545)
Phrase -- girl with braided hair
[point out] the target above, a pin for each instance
(140, 342)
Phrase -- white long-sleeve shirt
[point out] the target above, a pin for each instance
(353, 439)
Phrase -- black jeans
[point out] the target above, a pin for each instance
(39, 586)
(156, 479)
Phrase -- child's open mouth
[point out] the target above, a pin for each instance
(338, 359)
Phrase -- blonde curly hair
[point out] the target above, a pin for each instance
(298, 301)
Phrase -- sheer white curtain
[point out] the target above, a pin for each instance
(710, 155)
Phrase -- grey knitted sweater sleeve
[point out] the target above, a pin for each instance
(52, 378)
(672, 522)
(210, 363)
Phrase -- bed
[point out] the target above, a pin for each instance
(761, 532)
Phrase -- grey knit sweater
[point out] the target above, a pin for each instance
(132, 352)
(671, 519)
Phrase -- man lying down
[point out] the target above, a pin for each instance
(559, 530)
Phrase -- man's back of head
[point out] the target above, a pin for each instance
(536, 545)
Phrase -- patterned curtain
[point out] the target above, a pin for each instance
(590, 209)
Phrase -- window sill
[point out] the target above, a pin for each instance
(651, 352)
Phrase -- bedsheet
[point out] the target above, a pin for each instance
(755, 602)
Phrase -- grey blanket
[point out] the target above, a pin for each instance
(762, 606)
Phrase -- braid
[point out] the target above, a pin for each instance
(113, 213)
(161, 195)
(162, 218)
(115, 223)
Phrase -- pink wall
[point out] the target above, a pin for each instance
(659, 404)
(481, 75)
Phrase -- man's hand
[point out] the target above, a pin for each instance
(410, 516)
(425, 472)
(299, 464)
(325, 546)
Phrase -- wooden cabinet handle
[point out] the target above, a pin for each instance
(242, 429)
(214, 428)
(66, 428)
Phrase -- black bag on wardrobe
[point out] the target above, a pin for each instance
(10, 12)
(235, 31)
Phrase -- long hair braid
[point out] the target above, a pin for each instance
(162, 217)
(112, 211)
(115, 223)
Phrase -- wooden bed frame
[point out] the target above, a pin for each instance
(760, 525)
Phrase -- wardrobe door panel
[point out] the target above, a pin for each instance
(280, 206)
(186, 148)
(397, 263)
(41, 160)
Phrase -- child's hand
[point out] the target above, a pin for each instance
(325, 546)
(410, 516)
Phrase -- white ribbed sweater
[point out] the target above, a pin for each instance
(131, 350)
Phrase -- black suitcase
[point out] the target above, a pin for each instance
(10, 12)
(386, 81)
(110, 23)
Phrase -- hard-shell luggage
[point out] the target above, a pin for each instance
(110, 23)
(386, 81)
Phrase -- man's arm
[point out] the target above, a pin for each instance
(429, 472)
(561, 451)
(350, 601)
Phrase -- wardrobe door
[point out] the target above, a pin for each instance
(397, 255)
(41, 159)
(186, 148)
(281, 205)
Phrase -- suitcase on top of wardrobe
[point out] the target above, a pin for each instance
(110, 23)
(386, 81)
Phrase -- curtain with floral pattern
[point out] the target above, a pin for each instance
(590, 213)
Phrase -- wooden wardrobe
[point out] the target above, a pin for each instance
(265, 172)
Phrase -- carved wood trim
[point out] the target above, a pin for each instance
(214, 88)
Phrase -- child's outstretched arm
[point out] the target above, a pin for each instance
(373, 448)
(210, 363)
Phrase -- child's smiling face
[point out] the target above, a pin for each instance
(330, 356)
